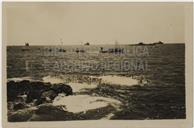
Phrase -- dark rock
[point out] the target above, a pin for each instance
(20, 115)
(36, 92)
(47, 112)
(49, 94)
(62, 88)
(18, 106)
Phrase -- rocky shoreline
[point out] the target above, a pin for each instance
(39, 101)
(30, 100)
(34, 93)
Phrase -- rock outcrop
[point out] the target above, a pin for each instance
(27, 92)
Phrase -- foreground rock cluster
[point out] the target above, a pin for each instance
(39, 101)
(25, 93)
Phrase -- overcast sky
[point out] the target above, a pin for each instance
(97, 23)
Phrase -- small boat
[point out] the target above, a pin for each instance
(79, 50)
(87, 44)
(115, 50)
(61, 49)
(26, 47)
(27, 44)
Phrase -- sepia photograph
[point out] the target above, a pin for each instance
(94, 61)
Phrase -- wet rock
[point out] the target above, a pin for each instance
(18, 106)
(20, 115)
(62, 88)
(10, 105)
(47, 112)
(35, 92)
(50, 94)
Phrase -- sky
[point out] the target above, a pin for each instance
(97, 23)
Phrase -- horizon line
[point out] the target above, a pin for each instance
(86, 45)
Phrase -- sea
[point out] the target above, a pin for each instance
(159, 69)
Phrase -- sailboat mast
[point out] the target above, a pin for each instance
(61, 41)
(116, 44)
